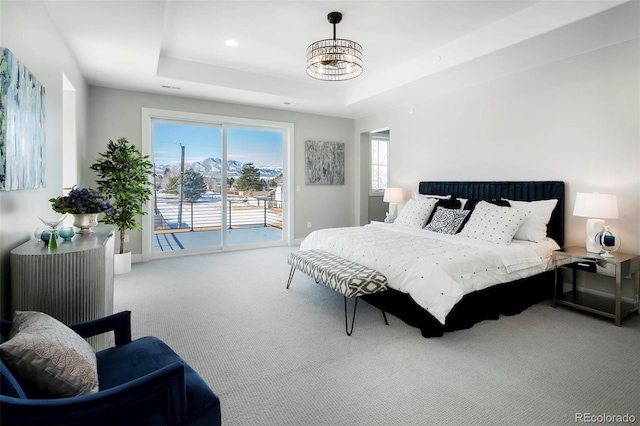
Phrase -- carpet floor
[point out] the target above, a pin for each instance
(282, 357)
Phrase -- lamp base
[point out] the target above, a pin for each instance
(594, 227)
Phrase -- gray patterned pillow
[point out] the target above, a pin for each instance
(447, 221)
(49, 355)
(416, 212)
(493, 223)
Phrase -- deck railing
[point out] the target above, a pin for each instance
(206, 213)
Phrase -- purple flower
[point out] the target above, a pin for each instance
(82, 200)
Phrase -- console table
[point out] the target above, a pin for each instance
(72, 283)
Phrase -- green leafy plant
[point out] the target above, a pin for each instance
(81, 200)
(123, 177)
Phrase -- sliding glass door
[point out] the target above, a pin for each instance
(188, 186)
(254, 185)
(216, 185)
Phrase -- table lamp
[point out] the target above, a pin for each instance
(393, 196)
(596, 207)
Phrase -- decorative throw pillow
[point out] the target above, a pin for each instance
(447, 221)
(447, 203)
(416, 212)
(534, 227)
(49, 355)
(493, 223)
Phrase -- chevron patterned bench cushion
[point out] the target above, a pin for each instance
(342, 275)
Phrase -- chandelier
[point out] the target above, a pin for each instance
(334, 59)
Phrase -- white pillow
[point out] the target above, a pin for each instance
(493, 223)
(423, 196)
(49, 355)
(416, 212)
(534, 227)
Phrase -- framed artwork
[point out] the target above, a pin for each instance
(22, 126)
(324, 163)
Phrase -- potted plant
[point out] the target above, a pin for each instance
(123, 177)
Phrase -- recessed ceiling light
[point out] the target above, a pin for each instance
(231, 43)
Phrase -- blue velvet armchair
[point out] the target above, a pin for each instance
(142, 382)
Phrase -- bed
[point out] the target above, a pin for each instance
(443, 282)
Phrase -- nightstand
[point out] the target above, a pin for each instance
(574, 259)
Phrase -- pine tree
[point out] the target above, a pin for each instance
(193, 186)
(172, 185)
(249, 179)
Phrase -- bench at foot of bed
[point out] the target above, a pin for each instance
(344, 276)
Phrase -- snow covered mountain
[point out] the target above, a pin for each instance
(210, 167)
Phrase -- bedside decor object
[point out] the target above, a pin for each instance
(393, 196)
(334, 59)
(66, 233)
(124, 178)
(85, 222)
(608, 241)
(22, 126)
(42, 234)
(52, 222)
(85, 204)
(596, 207)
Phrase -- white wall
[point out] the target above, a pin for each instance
(117, 113)
(26, 30)
(575, 120)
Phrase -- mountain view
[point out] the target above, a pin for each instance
(210, 167)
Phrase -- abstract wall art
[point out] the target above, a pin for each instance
(324, 163)
(22, 126)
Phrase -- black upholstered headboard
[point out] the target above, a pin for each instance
(513, 190)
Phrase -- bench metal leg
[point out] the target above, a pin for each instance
(293, 270)
(346, 317)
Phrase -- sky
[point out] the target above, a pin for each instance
(260, 147)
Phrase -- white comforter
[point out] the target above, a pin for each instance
(437, 270)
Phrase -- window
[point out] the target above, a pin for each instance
(379, 149)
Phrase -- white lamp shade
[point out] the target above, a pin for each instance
(393, 195)
(594, 205)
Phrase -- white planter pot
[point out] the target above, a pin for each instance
(122, 263)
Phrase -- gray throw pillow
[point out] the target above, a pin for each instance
(48, 354)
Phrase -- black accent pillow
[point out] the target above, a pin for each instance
(472, 202)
